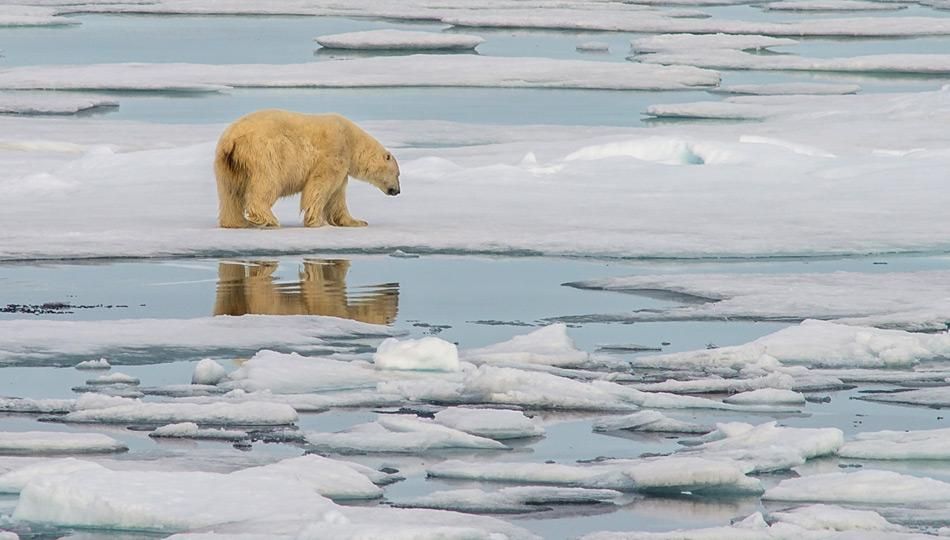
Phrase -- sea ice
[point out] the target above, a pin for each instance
(400, 40)
(773, 396)
(190, 430)
(593, 46)
(101, 363)
(693, 42)
(835, 518)
(498, 424)
(57, 442)
(509, 500)
(925, 444)
(114, 378)
(338, 480)
(399, 435)
(550, 345)
(208, 372)
(866, 487)
(652, 421)
(788, 89)
(248, 413)
(426, 354)
(39, 103)
(929, 397)
(397, 71)
(14, 480)
(832, 5)
(934, 64)
(768, 447)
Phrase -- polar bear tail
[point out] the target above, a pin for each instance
(232, 183)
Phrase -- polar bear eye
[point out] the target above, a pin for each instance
(389, 157)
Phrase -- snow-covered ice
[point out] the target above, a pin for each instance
(101, 363)
(510, 499)
(928, 397)
(651, 421)
(13, 480)
(399, 40)
(768, 447)
(397, 71)
(867, 486)
(933, 64)
(693, 42)
(788, 89)
(399, 435)
(550, 345)
(498, 424)
(427, 354)
(248, 413)
(774, 396)
(912, 300)
(57, 442)
(207, 371)
(292, 373)
(190, 430)
(114, 378)
(59, 342)
(37, 103)
(925, 444)
(336, 479)
(832, 5)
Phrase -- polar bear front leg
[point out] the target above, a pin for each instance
(337, 212)
(259, 199)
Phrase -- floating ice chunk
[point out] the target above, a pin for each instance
(768, 447)
(822, 344)
(13, 481)
(835, 518)
(871, 487)
(929, 397)
(50, 442)
(338, 480)
(926, 444)
(692, 42)
(399, 435)
(719, 385)
(498, 424)
(426, 354)
(672, 474)
(397, 71)
(24, 15)
(209, 372)
(593, 46)
(935, 64)
(788, 89)
(400, 254)
(291, 373)
(670, 151)
(114, 378)
(164, 501)
(101, 401)
(28, 405)
(248, 413)
(29, 341)
(190, 430)
(885, 376)
(832, 5)
(400, 40)
(509, 500)
(9, 535)
(406, 524)
(101, 363)
(653, 421)
(550, 345)
(773, 396)
(846, 295)
(36, 103)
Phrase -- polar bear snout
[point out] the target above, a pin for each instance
(392, 191)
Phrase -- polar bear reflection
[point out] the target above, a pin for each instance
(251, 288)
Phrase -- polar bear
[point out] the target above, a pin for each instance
(273, 153)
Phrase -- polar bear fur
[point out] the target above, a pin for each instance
(272, 153)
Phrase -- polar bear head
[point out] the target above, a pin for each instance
(379, 167)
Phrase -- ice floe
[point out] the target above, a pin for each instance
(190, 430)
(248, 413)
(498, 424)
(934, 64)
(428, 354)
(898, 445)
(35, 103)
(400, 40)
(57, 442)
(693, 42)
(31, 341)
(13, 481)
(414, 71)
(870, 487)
(788, 89)
(593, 46)
(650, 421)
(101, 363)
(336, 479)
(550, 345)
(26, 15)
(833, 5)
(114, 378)
(928, 397)
(510, 500)
(768, 447)
(911, 300)
(207, 371)
(399, 435)
(773, 396)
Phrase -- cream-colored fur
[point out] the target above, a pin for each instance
(272, 153)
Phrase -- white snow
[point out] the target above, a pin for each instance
(57, 442)
(767, 396)
(652, 421)
(400, 40)
(867, 486)
(397, 71)
(925, 444)
(29, 405)
(207, 371)
(399, 435)
(428, 353)
(37, 103)
(190, 430)
(788, 89)
(817, 343)
(295, 374)
(933, 64)
(550, 345)
(14, 480)
(593, 46)
(247, 413)
(832, 5)
(930, 397)
(509, 499)
(338, 480)
(498, 424)
(101, 363)
(25, 15)
(912, 300)
(49, 341)
(114, 378)
(693, 42)
(768, 447)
